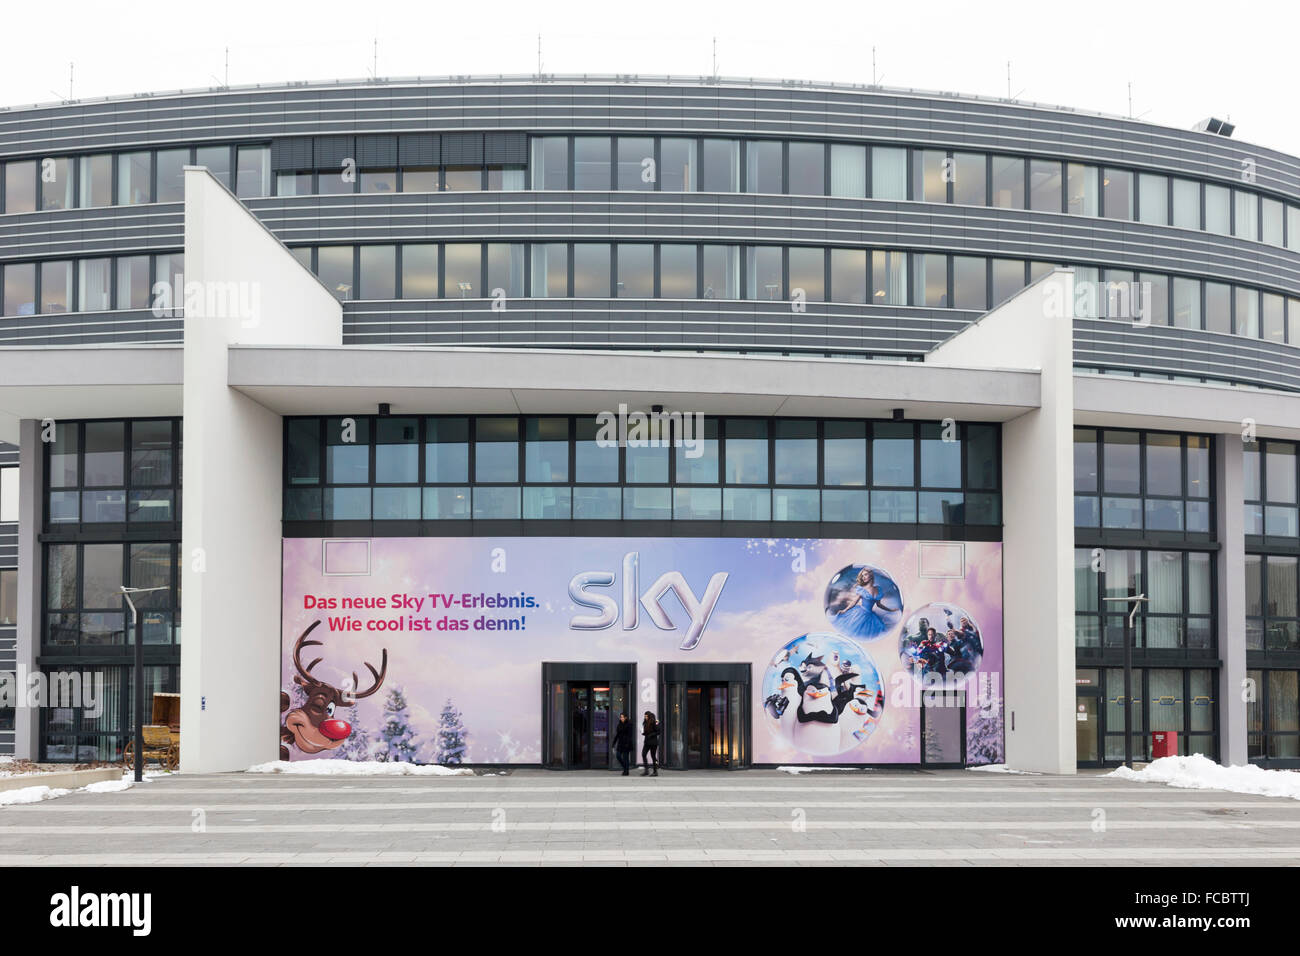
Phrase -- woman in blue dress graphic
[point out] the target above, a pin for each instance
(863, 610)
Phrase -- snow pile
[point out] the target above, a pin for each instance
(109, 786)
(799, 770)
(30, 795)
(365, 768)
(1200, 773)
(1003, 768)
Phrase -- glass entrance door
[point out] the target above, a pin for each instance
(590, 712)
(708, 726)
(1087, 729)
(579, 726)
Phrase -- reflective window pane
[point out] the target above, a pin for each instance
(677, 271)
(94, 285)
(1218, 209)
(888, 277)
(505, 269)
(969, 283)
(930, 280)
(253, 177)
(720, 166)
(635, 163)
(763, 167)
(591, 162)
(550, 272)
(378, 266)
(807, 169)
(591, 270)
(96, 181)
(848, 170)
(969, 173)
(1081, 189)
(888, 172)
(20, 186)
(763, 273)
(636, 270)
(929, 179)
(550, 162)
(677, 165)
(1044, 185)
(134, 175)
(848, 275)
(56, 183)
(1153, 199)
(1117, 193)
(496, 451)
(808, 273)
(1187, 204)
(420, 271)
(334, 268)
(546, 450)
(721, 276)
(1009, 182)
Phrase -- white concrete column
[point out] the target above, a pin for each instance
(1230, 577)
(31, 478)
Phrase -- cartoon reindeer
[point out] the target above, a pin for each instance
(313, 727)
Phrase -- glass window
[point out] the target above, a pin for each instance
(1293, 321)
(397, 451)
(888, 172)
(930, 280)
(720, 166)
(496, 450)
(849, 275)
(1044, 185)
(888, 277)
(462, 179)
(1218, 306)
(550, 162)
(63, 457)
(378, 272)
(420, 271)
(929, 183)
(546, 450)
(501, 178)
(844, 453)
(702, 469)
(1218, 209)
(217, 160)
(763, 167)
(1154, 298)
(677, 271)
(1117, 193)
(20, 186)
(808, 273)
(133, 287)
(795, 452)
(1008, 278)
(373, 180)
(462, 270)
(337, 181)
(746, 452)
(424, 180)
(1087, 283)
(763, 273)
(293, 184)
(940, 456)
(1187, 303)
(1273, 318)
(1009, 183)
(56, 287)
(1198, 466)
(1187, 204)
(1271, 221)
(591, 162)
(591, 270)
(96, 181)
(334, 268)
(496, 502)
(1164, 459)
(1081, 189)
(505, 269)
(721, 277)
(636, 160)
(170, 174)
(1280, 472)
(1246, 312)
(677, 165)
(1085, 460)
(1121, 467)
(56, 183)
(105, 454)
(347, 452)
(1153, 199)
(848, 170)
(1245, 220)
(595, 455)
(1293, 227)
(807, 169)
(254, 172)
(446, 450)
(94, 285)
(893, 447)
(969, 283)
(982, 456)
(969, 175)
(636, 270)
(302, 461)
(134, 172)
(550, 269)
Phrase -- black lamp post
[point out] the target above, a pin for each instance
(138, 630)
(1137, 600)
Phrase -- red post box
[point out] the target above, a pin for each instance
(1164, 743)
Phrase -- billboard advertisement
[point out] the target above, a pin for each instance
(431, 649)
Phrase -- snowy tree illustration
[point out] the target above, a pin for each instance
(358, 744)
(984, 739)
(397, 738)
(452, 736)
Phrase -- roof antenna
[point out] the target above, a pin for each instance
(1010, 95)
(539, 54)
(374, 60)
(715, 59)
(71, 69)
(875, 79)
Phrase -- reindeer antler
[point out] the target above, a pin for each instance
(378, 675)
(297, 651)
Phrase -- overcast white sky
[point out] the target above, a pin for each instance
(1186, 60)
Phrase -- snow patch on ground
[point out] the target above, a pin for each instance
(799, 770)
(1003, 768)
(30, 795)
(108, 786)
(1200, 773)
(365, 768)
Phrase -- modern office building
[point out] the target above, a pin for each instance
(828, 423)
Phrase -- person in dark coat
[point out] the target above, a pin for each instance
(624, 742)
(650, 746)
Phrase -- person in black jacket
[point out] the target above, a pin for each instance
(650, 747)
(624, 742)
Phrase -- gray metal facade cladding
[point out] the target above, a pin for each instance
(379, 119)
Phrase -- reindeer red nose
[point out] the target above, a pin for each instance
(335, 729)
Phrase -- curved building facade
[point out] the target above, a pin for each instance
(1036, 369)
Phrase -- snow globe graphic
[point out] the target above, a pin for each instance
(822, 694)
(940, 645)
(863, 602)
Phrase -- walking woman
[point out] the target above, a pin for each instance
(624, 742)
(650, 747)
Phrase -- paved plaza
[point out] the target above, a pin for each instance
(535, 817)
